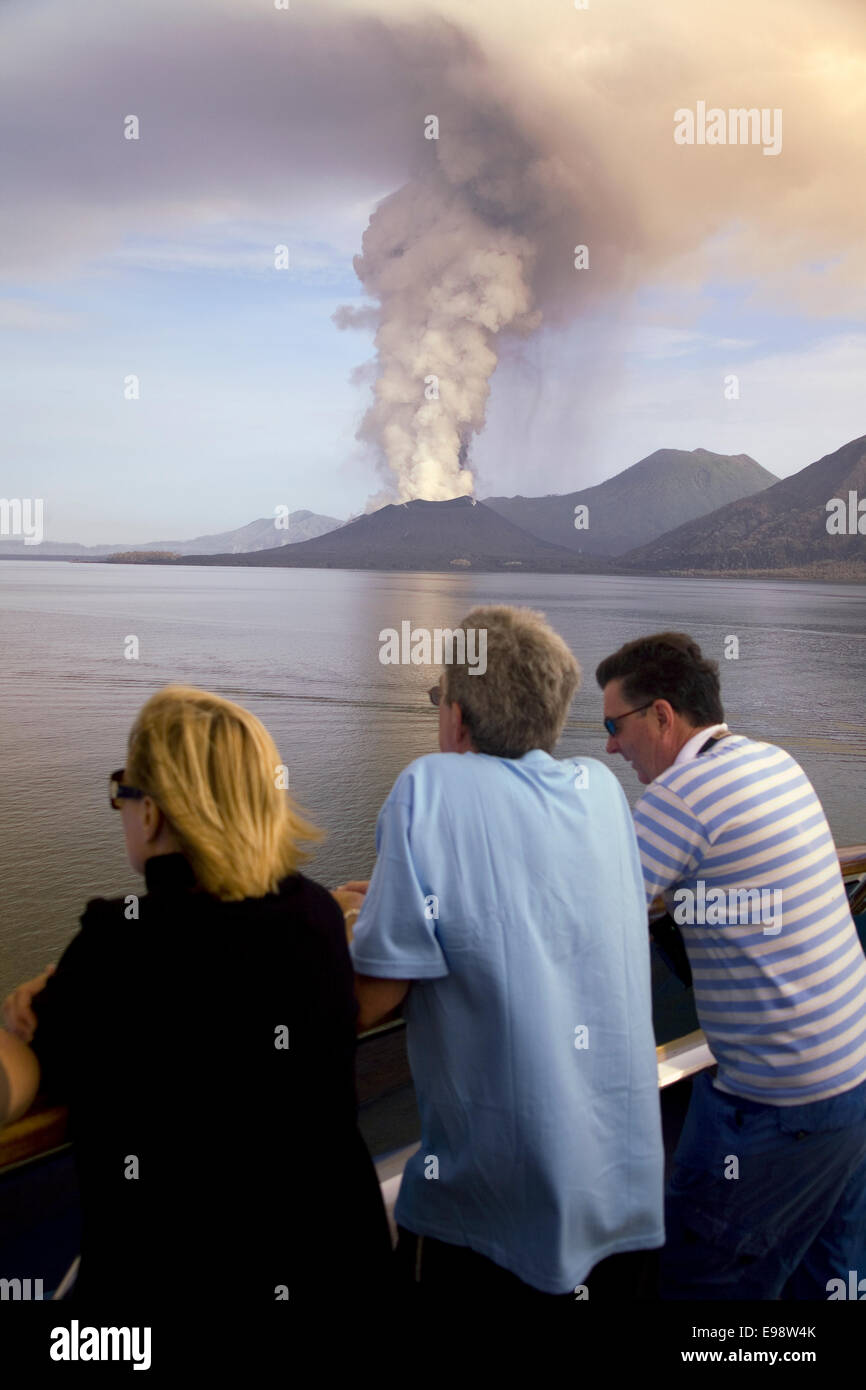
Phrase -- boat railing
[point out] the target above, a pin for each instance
(42, 1132)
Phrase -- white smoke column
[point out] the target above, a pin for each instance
(450, 260)
(447, 284)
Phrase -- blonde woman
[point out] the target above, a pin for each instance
(203, 1036)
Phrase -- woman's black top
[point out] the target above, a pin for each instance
(217, 1164)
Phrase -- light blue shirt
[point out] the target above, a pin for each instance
(510, 891)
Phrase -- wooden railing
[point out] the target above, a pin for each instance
(43, 1129)
(39, 1132)
(853, 862)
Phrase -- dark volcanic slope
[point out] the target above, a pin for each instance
(782, 528)
(664, 490)
(456, 535)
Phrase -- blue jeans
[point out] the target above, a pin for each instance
(793, 1218)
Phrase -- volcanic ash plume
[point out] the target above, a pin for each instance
(447, 283)
(554, 137)
(469, 251)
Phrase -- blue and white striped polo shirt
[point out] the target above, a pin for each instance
(738, 842)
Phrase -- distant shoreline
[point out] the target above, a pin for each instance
(823, 572)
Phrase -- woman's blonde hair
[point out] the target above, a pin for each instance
(215, 773)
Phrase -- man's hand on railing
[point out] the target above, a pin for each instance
(351, 903)
(17, 1015)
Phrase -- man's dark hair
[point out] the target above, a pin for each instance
(667, 666)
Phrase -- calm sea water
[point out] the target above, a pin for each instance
(300, 648)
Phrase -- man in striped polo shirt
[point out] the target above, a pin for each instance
(767, 1198)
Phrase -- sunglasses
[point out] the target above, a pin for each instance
(611, 723)
(435, 695)
(119, 791)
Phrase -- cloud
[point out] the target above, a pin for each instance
(234, 250)
(24, 316)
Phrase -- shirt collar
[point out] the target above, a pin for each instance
(168, 873)
(690, 750)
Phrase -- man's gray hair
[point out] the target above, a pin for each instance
(522, 699)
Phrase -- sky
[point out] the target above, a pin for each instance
(262, 127)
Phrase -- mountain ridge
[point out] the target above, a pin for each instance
(666, 488)
(782, 528)
(457, 534)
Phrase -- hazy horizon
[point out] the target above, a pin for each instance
(252, 520)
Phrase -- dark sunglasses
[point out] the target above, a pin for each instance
(118, 790)
(611, 723)
(435, 695)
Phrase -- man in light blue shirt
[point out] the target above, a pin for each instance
(507, 912)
